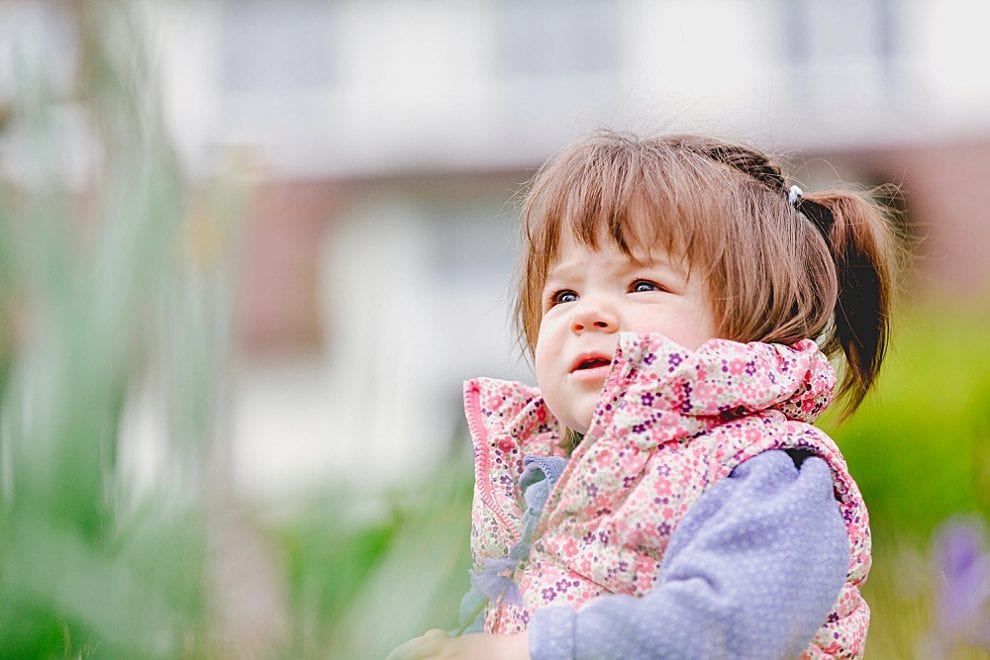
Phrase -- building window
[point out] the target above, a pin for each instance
(284, 46)
(844, 44)
(555, 39)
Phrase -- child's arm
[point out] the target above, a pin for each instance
(751, 572)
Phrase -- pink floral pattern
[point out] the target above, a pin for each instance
(669, 424)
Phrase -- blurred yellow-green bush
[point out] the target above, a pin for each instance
(920, 445)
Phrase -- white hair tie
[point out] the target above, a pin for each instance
(819, 214)
(794, 196)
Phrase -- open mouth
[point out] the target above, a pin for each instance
(592, 362)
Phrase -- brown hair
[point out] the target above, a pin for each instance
(723, 209)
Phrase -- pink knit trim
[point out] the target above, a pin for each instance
(479, 436)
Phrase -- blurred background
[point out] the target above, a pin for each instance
(250, 250)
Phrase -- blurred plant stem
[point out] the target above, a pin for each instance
(130, 275)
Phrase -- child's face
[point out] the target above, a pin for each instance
(589, 298)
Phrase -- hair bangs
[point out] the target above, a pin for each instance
(641, 195)
(638, 195)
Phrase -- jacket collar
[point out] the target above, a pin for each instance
(723, 378)
(720, 380)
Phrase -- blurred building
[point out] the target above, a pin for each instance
(391, 138)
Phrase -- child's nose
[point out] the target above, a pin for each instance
(594, 315)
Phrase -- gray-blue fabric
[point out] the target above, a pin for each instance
(751, 572)
(540, 474)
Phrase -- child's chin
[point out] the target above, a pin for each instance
(575, 424)
(582, 425)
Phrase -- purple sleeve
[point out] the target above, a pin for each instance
(751, 572)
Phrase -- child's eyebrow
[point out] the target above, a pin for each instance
(569, 269)
(651, 261)
(560, 271)
(661, 259)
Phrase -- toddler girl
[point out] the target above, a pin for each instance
(663, 494)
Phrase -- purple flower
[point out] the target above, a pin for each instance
(964, 569)
(961, 567)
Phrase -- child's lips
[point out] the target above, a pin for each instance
(591, 374)
(591, 365)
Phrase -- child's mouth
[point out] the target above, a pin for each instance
(594, 363)
(591, 362)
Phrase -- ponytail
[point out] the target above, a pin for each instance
(861, 240)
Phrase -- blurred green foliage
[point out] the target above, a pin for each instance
(95, 291)
(362, 583)
(90, 567)
(919, 447)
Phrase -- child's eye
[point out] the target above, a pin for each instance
(563, 296)
(640, 286)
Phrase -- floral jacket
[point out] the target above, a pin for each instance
(668, 425)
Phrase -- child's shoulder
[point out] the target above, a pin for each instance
(741, 439)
